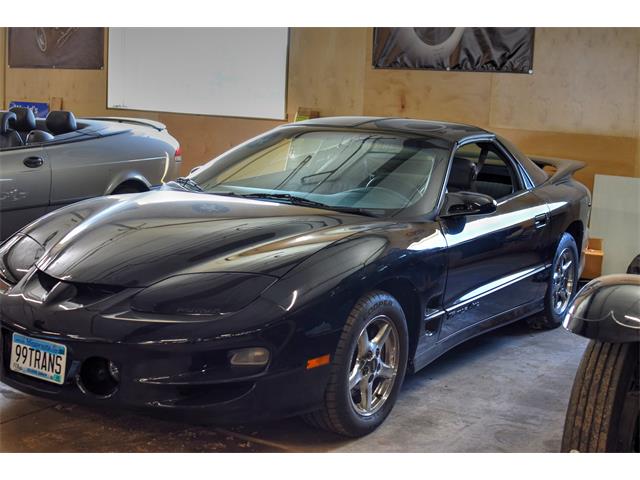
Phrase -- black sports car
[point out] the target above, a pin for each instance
(303, 272)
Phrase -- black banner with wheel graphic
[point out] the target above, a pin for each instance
(56, 47)
(473, 49)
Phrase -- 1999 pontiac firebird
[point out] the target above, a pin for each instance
(303, 272)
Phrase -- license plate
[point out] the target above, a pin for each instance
(38, 358)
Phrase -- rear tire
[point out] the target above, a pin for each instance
(366, 375)
(562, 286)
(603, 413)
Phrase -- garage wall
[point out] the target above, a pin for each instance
(583, 100)
(2, 65)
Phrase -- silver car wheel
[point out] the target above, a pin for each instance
(374, 365)
(563, 281)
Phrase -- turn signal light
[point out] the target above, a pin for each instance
(318, 361)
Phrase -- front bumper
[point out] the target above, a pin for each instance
(173, 366)
(180, 380)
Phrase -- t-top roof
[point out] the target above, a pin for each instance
(449, 131)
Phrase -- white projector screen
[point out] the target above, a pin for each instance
(239, 72)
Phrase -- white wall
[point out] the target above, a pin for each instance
(238, 72)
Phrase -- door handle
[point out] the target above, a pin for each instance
(33, 162)
(541, 220)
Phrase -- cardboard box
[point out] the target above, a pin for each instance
(306, 114)
(593, 259)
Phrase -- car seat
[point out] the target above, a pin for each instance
(9, 137)
(61, 122)
(462, 176)
(493, 189)
(24, 122)
(38, 136)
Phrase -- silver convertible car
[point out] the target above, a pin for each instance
(52, 162)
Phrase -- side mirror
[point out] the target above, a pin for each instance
(458, 204)
(195, 169)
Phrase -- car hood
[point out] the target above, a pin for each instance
(137, 240)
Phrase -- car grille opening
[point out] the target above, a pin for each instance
(85, 293)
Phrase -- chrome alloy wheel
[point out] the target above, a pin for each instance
(563, 281)
(374, 365)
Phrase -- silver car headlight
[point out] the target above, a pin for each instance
(18, 255)
(211, 294)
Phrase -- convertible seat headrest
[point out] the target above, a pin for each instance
(60, 122)
(38, 136)
(4, 122)
(8, 137)
(463, 174)
(25, 119)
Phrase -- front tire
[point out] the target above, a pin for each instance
(562, 286)
(367, 369)
(603, 413)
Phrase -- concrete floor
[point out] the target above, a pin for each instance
(506, 391)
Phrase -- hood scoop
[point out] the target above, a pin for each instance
(51, 291)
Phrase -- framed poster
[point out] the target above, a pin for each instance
(39, 109)
(56, 47)
(471, 49)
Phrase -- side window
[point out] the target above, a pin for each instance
(495, 175)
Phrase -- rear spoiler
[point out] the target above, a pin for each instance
(134, 121)
(564, 167)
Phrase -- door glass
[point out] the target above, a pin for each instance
(495, 174)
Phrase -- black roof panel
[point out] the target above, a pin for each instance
(448, 131)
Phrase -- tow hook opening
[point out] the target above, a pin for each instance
(99, 376)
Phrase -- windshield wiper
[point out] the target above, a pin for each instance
(305, 202)
(285, 196)
(188, 182)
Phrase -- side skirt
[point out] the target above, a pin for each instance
(425, 356)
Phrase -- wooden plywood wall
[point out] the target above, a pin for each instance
(327, 70)
(583, 100)
(637, 172)
(3, 64)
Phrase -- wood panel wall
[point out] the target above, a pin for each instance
(583, 100)
(3, 64)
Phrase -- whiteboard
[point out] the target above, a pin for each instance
(240, 72)
(615, 217)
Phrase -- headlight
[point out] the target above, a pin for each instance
(17, 256)
(202, 293)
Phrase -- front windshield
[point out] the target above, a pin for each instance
(369, 171)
